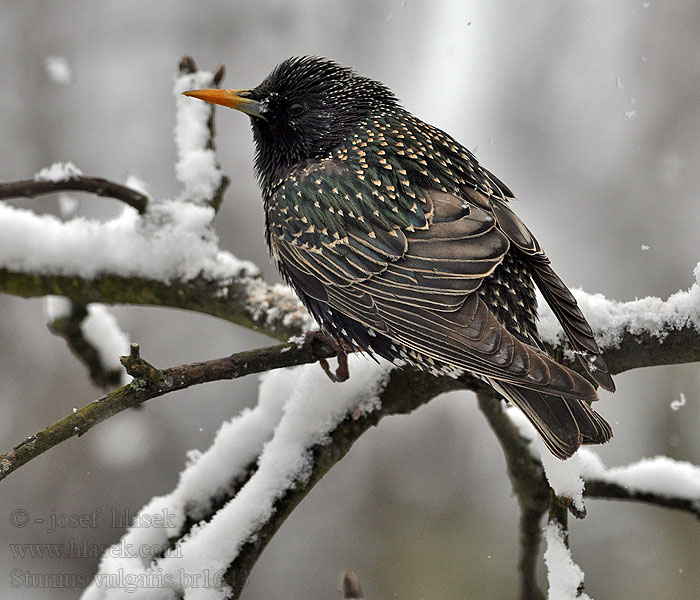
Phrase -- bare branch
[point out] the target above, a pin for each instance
(29, 188)
(151, 383)
(611, 491)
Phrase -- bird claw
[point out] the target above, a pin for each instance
(342, 372)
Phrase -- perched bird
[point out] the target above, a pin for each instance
(400, 244)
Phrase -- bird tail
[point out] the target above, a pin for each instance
(563, 423)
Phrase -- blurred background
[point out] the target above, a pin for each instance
(589, 111)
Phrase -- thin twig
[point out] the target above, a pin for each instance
(150, 383)
(29, 188)
(351, 586)
(611, 491)
(187, 67)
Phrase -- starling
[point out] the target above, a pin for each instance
(401, 245)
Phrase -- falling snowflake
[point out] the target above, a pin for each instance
(679, 403)
(58, 69)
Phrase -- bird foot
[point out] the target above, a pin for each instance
(342, 373)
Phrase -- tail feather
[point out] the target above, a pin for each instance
(579, 332)
(563, 423)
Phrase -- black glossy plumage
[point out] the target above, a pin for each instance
(401, 244)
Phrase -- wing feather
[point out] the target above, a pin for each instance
(417, 286)
(557, 295)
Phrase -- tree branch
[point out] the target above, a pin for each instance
(272, 310)
(606, 490)
(643, 349)
(187, 67)
(406, 390)
(30, 188)
(275, 311)
(530, 486)
(69, 328)
(150, 383)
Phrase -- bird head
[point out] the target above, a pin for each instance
(303, 110)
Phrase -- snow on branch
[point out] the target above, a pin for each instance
(564, 476)
(301, 407)
(661, 475)
(93, 335)
(174, 240)
(564, 575)
(102, 331)
(59, 172)
(615, 322)
(661, 480)
(231, 499)
(52, 180)
(196, 165)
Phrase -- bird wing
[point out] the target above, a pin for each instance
(555, 292)
(408, 272)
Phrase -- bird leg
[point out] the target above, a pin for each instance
(341, 349)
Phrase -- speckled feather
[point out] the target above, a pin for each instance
(402, 245)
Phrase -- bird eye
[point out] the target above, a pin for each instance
(296, 109)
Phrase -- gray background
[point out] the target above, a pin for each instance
(421, 507)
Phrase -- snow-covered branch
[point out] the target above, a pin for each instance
(55, 180)
(93, 335)
(260, 466)
(661, 481)
(639, 333)
(564, 575)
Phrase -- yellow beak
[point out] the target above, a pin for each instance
(231, 98)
